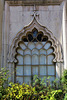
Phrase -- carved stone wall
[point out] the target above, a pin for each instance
(23, 16)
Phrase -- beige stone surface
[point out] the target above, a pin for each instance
(49, 16)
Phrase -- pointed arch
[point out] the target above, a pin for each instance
(34, 25)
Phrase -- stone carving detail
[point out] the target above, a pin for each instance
(34, 24)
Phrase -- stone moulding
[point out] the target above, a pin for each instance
(32, 2)
(58, 52)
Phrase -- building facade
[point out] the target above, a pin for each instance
(33, 38)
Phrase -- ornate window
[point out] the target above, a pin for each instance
(34, 57)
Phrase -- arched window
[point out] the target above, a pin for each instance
(35, 57)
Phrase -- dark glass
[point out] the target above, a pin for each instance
(45, 39)
(39, 37)
(30, 38)
(25, 39)
(35, 33)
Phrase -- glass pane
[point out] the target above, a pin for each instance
(47, 45)
(26, 43)
(25, 39)
(27, 80)
(49, 51)
(38, 45)
(27, 51)
(51, 70)
(27, 70)
(35, 70)
(20, 59)
(22, 46)
(20, 51)
(31, 45)
(30, 37)
(42, 51)
(19, 80)
(39, 37)
(35, 33)
(42, 59)
(35, 51)
(42, 70)
(43, 43)
(50, 59)
(27, 59)
(19, 70)
(35, 59)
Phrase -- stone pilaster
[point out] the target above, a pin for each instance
(65, 34)
(1, 24)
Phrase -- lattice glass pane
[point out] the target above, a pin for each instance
(42, 70)
(42, 51)
(27, 70)
(38, 45)
(50, 59)
(35, 59)
(47, 45)
(31, 45)
(35, 70)
(35, 33)
(49, 51)
(35, 51)
(19, 80)
(27, 59)
(22, 46)
(43, 43)
(20, 59)
(26, 43)
(19, 70)
(51, 70)
(27, 51)
(27, 80)
(42, 59)
(20, 51)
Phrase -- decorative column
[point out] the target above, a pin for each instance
(65, 33)
(5, 36)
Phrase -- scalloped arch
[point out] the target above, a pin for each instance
(35, 25)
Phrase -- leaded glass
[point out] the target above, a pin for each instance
(34, 57)
(19, 80)
(35, 70)
(27, 59)
(27, 70)
(35, 60)
(42, 70)
(35, 33)
(19, 70)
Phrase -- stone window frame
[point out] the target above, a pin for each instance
(39, 64)
(58, 51)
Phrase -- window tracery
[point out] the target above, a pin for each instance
(34, 57)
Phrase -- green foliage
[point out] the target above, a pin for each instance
(3, 76)
(65, 97)
(20, 92)
(56, 95)
(64, 80)
(39, 90)
(3, 81)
